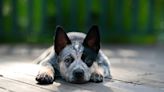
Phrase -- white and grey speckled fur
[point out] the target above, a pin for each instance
(57, 65)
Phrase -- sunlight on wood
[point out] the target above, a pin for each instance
(26, 68)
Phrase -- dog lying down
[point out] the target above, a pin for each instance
(76, 57)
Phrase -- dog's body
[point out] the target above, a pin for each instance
(75, 57)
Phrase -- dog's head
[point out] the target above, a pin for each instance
(76, 58)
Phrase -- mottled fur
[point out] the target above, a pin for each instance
(70, 58)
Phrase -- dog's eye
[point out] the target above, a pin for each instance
(87, 60)
(83, 57)
(68, 60)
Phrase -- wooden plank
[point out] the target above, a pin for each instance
(9, 85)
(14, 80)
(26, 77)
(133, 70)
(21, 73)
(4, 90)
(61, 86)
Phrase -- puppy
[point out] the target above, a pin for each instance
(75, 56)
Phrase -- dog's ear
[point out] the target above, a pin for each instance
(92, 40)
(61, 39)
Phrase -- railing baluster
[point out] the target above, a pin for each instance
(30, 17)
(150, 22)
(119, 13)
(1, 18)
(44, 16)
(58, 12)
(162, 17)
(88, 13)
(14, 17)
(73, 14)
(103, 15)
(135, 6)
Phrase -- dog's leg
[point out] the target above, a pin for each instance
(46, 73)
(101, 68)
(96, 73)
(105, 64)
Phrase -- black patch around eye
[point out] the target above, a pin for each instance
(86, 60)
(88, 57)
(68, 60)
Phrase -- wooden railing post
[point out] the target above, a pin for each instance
(44, 16)
(58, 12)
(150, 26)
(88, 13)
(1, 18)
(135, 6)
(73, 14)
(103, 15)
(30, 17)
(14, 18)
(119, 14)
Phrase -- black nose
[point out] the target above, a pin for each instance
(78, 73)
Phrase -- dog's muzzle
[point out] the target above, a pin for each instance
(78, 76)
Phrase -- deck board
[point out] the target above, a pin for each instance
(17, 86)
(134, 69)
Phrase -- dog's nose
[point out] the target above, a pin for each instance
(78, 73)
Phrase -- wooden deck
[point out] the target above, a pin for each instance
(134, 69)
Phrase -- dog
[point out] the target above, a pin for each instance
(76, 57)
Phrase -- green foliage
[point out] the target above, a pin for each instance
(74, 17)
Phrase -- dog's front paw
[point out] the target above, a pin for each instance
(45, 76)
(95, 77)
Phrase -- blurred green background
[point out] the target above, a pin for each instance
(120, 21)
